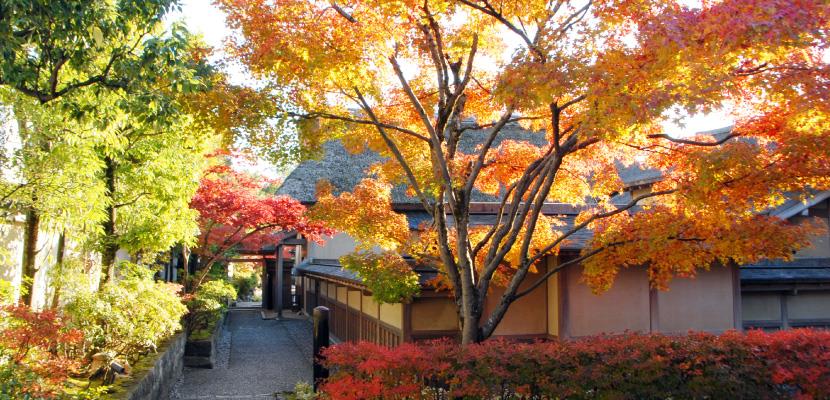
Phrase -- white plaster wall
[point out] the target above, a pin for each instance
(623, 307)
(11, 259)
(338, 245)
(11, 253)
(47, 247)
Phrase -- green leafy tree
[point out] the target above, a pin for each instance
(52, 176)
(81, 53)
(53, 48)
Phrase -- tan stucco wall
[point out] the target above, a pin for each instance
(434, 314)
(624, 307)
(820, 244)
(703, 303)
(526, 316)
(354, 299)
(761, 306)
(809, 305)
(392, 314)
(342, 294)
(370, 307)
(553, 298)
(333, 248)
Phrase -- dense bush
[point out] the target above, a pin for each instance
(245, 281)
(755, 365)
(34, 348)
(205, 307)
(128, 317)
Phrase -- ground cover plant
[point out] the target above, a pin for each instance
(757, 365)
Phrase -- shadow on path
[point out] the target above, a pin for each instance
(256, 359)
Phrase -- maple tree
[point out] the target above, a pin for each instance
(33, 348)
(599, 78)
(235, 213)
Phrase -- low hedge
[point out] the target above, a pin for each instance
(755, 365)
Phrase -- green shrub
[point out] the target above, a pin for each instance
(245, 283)
(6, 292)
(205, 307)
(302, 391)
(128, 317)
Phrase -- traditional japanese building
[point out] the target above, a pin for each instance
(769, 295)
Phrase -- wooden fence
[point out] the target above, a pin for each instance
(349, 324)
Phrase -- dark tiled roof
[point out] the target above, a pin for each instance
(575, 242)
(805, 270)
(796, 202)
(333, 269)
(329, 268)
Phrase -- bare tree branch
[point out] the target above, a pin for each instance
(476, 169)
(488, 9)
(342, 12)
(395, 151)
(693, 142)
(436, 143)
(360, 121)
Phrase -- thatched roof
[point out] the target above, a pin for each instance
(344, 170)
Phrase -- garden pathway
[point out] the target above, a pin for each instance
(256, 359)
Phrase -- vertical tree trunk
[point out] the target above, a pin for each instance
(30, 236)
(56, 298)
(110, 247)
(470, 332)
(186, 268)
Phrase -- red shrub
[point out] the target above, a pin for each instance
(757, 365)
(34, 345)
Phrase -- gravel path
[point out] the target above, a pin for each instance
(256, 359)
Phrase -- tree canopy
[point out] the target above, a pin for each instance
(235, 213)
(599, 77)
(116, 110)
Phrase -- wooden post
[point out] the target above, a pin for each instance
(297, 303)
(278, 301)
(321, 341)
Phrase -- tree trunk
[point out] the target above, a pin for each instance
(56, 298)
(110, 247)
(470, 307)
(186, 268)
(30, 237)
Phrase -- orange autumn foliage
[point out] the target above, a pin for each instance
(420, 81)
